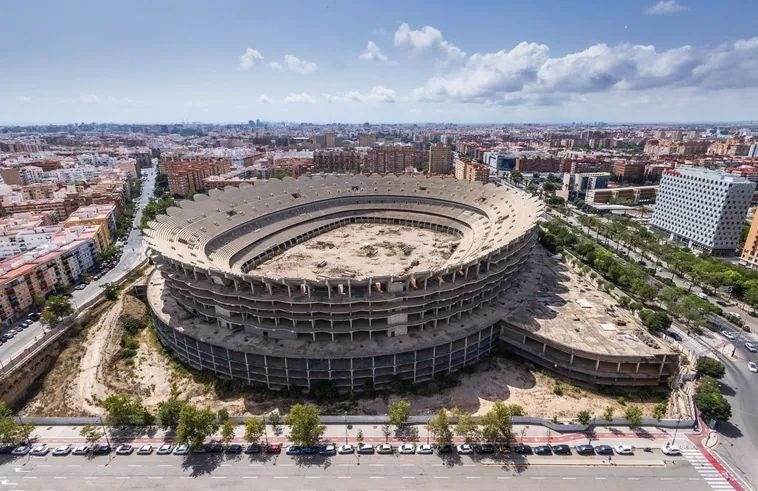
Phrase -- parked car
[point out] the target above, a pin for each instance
(365, 448)
(39, 450)
(407, 448)
(752, 367)
(124, 449)
(165, 449)
(543, 450)
(425, 449)
(522, 449)
(384, 448)
(671, 449)
(346, 448)
(274, 448)
(445, 449)
(234, 448)
(216, 448)
(293, 450)
(81, 450)
(484, 448)
(465, 449)
(673, 335)
(728, 334)
(62, 450)
(561, 449)
(100, 449)
(182, 449)
(585, 449)
(624, 449)
(604, 450)
(145, 450)
(21, 450)
(751, 347)
(328, 449)
(253, 448)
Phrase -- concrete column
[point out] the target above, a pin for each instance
(618, 367)
(637, 369)
(571, 361)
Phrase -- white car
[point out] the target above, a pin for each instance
(750, 347)
(670, 449)
(145, 450)
(182, 449)
(346, 448)
(62, 450)
(424, 449)
(752, 367)
(165, 449)
(464, 449)
(728, 334)
(407, 448)
(624, 449)
(39, 450)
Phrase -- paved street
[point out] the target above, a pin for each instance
(134, 251)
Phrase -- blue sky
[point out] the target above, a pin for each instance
(354, 61)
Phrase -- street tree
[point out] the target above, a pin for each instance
(359, 436)
(711, 403)
(122, 410)
(254, 429)
(169, 411)
(399, 412)
(711, 367)
(467, 427)
(633, 415)
(439, 426)
(275, 420)
(227, 431)
(110, 291)
(497, 425)
(195, 425)
(659, 411)
(386, 431)
(608, 413)
(91, 434)
(305, 425)
(56, 308)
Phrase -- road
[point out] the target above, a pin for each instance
(134, 251)
(284, 472)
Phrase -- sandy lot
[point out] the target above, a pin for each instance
(363, 250)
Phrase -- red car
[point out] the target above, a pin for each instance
(274, 448)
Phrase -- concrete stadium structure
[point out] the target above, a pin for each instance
(216, 310)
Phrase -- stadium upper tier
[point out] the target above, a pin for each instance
(235, 230)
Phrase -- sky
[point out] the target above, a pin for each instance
(224, 61)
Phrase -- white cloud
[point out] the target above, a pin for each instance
(373, 53)
(297, 65)
(299, 98)
(22, 99)
(666, 7)
(91, 99)
(425, 38)
(378, 93)
(264, 99)
(249, 58)
(275, 65)
(527, 73)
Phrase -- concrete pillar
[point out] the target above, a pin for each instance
(618, 367)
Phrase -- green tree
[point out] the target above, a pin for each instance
(11, 430)
(305, 425)
(399, 412)
(110, 291)
(439, 426)
(711, 403)
(275, 420)
(710, 367)
(497, 425)
(227, 431)
(584, 417)
(633, 415)
(195, 425)
(169, 411)
(516, 176)
(222, 414)
(56, 308)
(122, 410)
(608, 413)
(254, 429)
(655, 321)
(659, 411)
(467, 427)
(91, 434)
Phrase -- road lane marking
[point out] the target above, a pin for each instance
(313, 477)
(281, 477)
(344, 477)
(472, 477)
(376, 477)
(440, 477)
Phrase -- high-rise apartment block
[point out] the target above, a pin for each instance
(625, 171)
(471, 171)
(440, 159)
(703, 208)
(338, 161)
(394, 159)
(186, 174)
(366, 139)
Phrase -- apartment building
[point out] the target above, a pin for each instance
(440, 159)
(186, 173)
(101, 216)
(703, 208)
(394, 159)
(366, 140)
(538, 164)
(625, 171)
(342, 161)
(633, 194)
(471, 171)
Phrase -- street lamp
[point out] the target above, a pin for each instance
(345, 427)
(676, 428)
(107, 440)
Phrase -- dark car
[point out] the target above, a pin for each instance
(204, 448)
(673, 335)
(585, 450)
(293, 450)
(309, 450)
(604, 450)
(522, 449)
(561, 449)
(443, 449)
(99, 449)
(274, 448)
(6, 449)
(543, 450)
(234, 448)
(328, 449)
(253, 448)
(484, 448)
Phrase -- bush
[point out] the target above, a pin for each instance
(584, 417)
(711, 367)
(711, 403)
(558, 389)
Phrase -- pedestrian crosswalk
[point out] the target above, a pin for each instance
(711, 475)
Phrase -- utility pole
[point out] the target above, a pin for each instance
(107, 440)
(678, 420)
(345, 427)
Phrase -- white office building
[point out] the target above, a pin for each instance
(705, 209)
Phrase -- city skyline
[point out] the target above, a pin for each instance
(671, 60)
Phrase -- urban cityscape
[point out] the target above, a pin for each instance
(410, 254)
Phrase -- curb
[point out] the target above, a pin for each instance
(655, 463)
